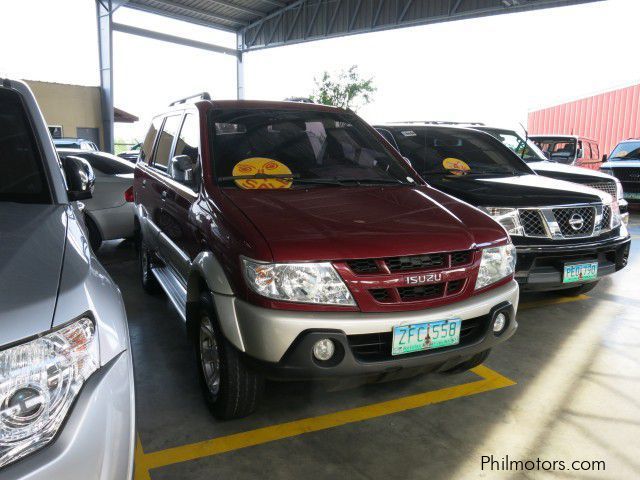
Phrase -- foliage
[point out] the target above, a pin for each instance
(347, 89)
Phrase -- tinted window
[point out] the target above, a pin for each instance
(22, 176)
(388, 136)
(626, 151)
(188, 140)
(147, 146)
(444, 151)
(163, 149)
(527, 150)
(106, 163)
(314, 147)
(67, 144)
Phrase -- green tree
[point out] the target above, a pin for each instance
(346, 89)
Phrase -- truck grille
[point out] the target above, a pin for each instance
(410, 263)
(606, 218)
(532, 222)
(606, 187)
(627, 174)
(376, 347)
(575, 222)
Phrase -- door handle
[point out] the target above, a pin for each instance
(164, 195)
(144, 183)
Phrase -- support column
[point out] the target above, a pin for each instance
(240, 67)
(104, 10)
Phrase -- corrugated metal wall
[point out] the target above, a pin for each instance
(607, 118)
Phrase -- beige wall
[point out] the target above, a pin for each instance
(71, 106)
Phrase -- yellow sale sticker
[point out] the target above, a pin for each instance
(457, 166)
(261, 166)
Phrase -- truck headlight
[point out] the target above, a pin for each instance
(39, 381)
(619, 190)
(496, 264)
(508, 218)
(616, 217)
(297, 282)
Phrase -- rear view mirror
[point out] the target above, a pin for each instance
(181, 168)
(604, 157)
(80, 178)
(407, 160)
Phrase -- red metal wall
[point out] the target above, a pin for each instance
(608, 118)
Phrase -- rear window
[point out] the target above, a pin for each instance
(22, 177)
(626, 151)
(107, 163)
(251, 148)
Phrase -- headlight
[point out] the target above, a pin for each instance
(508, 218)
(496, 264)
(297, 282)
(39, 380)
(616, 217)
(619, 191)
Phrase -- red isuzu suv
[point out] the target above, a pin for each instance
(296, 243)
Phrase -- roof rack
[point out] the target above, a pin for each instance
(199, 96)
(441, 122)
(299, 100)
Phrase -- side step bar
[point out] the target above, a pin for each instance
(174, 289)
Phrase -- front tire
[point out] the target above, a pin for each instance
(582, 289)
(230, 388)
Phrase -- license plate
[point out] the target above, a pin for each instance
(425, 336)
(580, 272)
(632, 195)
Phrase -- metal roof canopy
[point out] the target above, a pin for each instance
(261, 24)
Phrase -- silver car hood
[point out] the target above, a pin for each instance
(32, 245)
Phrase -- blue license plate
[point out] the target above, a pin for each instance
(425, 336)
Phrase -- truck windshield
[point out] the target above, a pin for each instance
(279, 149)
(626, 151)
(22, 177)
(525, 149)
(449, 151)
(560, 149)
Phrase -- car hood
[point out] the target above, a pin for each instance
(621, 164)
(520, 191)
(568, 172)
(334, 223)
(33, 243)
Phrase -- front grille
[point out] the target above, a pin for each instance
(606, 218)
(380, 295)
(376, 347)
(416, 262)
(575, 222)
(461, 258)
(627, 174)
(422, 292)
(607, 187)
(455, 287)
(363, 266)
(532, 223)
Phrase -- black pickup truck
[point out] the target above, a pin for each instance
(567, 236)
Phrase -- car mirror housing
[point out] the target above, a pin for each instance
(604, 157)
(80, 178)
(181, 168)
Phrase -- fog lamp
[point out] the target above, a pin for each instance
(324, 349)
(499, 322)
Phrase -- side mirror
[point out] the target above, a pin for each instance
(407, 160)
(579, 153)
(605, 157)
(181, 168)
(80, 178)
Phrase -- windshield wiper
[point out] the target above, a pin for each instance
(349, 181)
(258, 176)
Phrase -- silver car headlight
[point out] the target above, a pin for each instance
(496, 264)
(297, 282)
(39, 381)
(616, 217)
(508, 218)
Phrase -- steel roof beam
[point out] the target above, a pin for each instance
(201, 11)
(181, 17)
(239, 8)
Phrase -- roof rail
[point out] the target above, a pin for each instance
(441, 122)
(299, 100)
(199, 96)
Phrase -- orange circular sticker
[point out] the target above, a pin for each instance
(457, 166)
(261, 166)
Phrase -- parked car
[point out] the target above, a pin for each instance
(570, 150)
(624, 164)
(131, 155)
(76, 144)
(297, 244)
(535, 159)
(567, 236)
(66, 377)
(110, 213)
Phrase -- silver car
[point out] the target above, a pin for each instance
(66, 378)
(110, 213)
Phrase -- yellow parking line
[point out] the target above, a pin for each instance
(551, 301)
(491, 380)
(141, 471)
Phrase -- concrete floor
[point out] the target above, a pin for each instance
(575, 363)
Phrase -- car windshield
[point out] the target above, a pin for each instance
(280, 149)
(22, 177)
(449, 151)
(525, 149)
(560, 149)
(626, 151)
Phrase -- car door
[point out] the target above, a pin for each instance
(182, 241)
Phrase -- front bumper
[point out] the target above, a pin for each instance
(540, 268)
(97, 440)
(279, 341)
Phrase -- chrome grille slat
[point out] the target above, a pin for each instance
(607, 187)
(533, 223)
(554, 222)
(564, 218)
